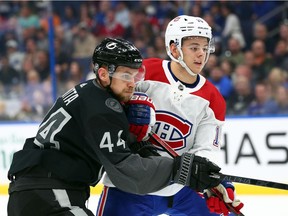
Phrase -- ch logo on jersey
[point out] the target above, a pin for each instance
(173, 129)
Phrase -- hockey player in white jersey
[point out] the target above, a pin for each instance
(190, 113)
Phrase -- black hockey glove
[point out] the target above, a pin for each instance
(144, 149)
(195, 172)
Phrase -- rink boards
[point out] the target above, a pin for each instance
(251, 147)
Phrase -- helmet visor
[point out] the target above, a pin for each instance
(131, 75)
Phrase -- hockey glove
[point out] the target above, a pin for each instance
(217, 205)
(195, 172)
(141, 115)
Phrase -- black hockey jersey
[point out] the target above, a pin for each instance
(85, 129)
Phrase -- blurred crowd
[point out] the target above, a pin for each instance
(249, 65)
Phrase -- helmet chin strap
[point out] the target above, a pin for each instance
(183, 64)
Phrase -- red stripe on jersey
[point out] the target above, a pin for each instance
(154, 70)
(217, 103)
(102, 202)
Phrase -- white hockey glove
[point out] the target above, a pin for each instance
(141, 115)
(216, 205)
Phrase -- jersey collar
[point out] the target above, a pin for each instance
(187, 85)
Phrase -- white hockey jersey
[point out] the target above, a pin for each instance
(189, 117)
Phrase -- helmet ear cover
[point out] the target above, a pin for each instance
(96, 67)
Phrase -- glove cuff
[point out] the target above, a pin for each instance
(183, 173)
(228, 184)
(141, 98)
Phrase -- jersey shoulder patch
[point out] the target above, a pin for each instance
(114, 105)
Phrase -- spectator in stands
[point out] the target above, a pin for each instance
(244, 70)
(221, 82)
(160, 48)
(76, 73)
(241, 97)
(42, 65)
(44, 22)
(196, 9)
(75, 76)
(31, 50)
(217, 31)
(232, 27)
(3, 113)
(280, 54)
(8, 22)
(42, 40)
(283, 31)
(145, 27)
(263, 104)
(212, 62)
(151, 16)
(111, 27)
(227, 67)
(26, 67)
(122, 14)
(260, 32)
(82, 43)
(28, 21)
(142, 46)
(215, 12)
(36, 100)
(62, 62)
(85, 15)
(282, 100)
(15, 56)
(69, 17)
(138, 18)
(9, 77)
(103, 7)
(263, 61)
(65, 39)
(150, 52)
(234, 51)
(83, 39)
(249, 58)
(243, 9)
(276, 77)
(166, 10)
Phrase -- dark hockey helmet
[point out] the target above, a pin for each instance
(115, 52)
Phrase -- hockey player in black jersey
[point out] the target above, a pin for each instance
(87, 131)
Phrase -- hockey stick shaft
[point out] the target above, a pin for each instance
(174, 154)
(251, 181)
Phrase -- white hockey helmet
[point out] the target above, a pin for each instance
(185, 26)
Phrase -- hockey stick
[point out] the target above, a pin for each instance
(232, 178)
(174, 154)
(251, 181)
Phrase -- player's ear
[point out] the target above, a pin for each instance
(103, 74)
(174, 50)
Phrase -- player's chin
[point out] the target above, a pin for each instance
(197, 69)
(126, 96)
